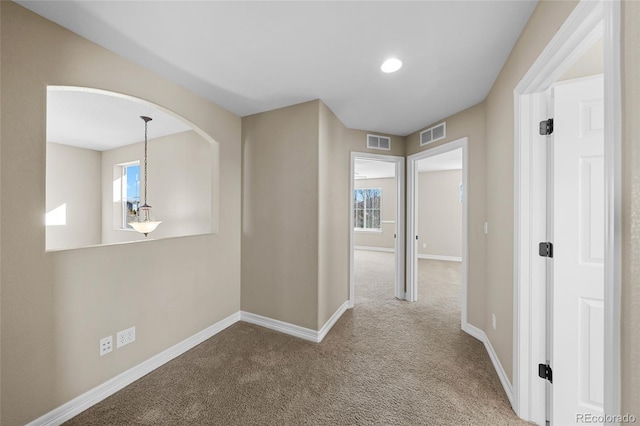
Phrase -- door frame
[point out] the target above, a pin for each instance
(588, 21)
(399, 284)
(412, 207)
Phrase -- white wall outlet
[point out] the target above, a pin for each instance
(106, 345)
(493, 321)
(125, 337)
(486, 228)
(424, 245)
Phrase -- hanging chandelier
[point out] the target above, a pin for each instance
(144, 224)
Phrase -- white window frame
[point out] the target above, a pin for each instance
(365, 229)
(121, 170)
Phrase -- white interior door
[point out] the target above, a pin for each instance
(577, 344)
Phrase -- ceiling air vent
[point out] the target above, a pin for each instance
(379, 142)
(433, 134)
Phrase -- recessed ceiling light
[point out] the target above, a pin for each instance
(391, 65)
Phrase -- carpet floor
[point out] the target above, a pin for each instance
(385, 362)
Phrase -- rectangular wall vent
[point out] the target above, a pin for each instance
(379, 142)
(433, 134)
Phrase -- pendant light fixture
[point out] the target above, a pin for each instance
(143, 223)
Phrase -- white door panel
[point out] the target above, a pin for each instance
(577, 352)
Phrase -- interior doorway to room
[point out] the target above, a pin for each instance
(377, 223)
(566, 340)
(574, 217)
(437, 222)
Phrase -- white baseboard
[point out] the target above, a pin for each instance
(108, 388)
(88, 399)
(281, 326)
(292, 329)
(334, 318)
(368, 248)
(502, 375)
(438, 257)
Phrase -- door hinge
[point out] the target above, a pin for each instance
(544, 371)
(545, 249)
(546, 127)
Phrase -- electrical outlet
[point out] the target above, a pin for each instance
(106, 345)
(424, 245)
(493, 320)
(486, 228)
(125, 337)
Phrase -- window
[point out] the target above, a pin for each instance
(366, 209)
(129, 192)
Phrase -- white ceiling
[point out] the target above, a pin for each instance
(101, 122)
(251, 57)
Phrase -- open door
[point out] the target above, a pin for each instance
(577, 265)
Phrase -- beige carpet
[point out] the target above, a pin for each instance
(385, 362)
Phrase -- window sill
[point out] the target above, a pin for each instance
(125, 229)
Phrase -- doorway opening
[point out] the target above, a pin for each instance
(377, 222)
(540, 280)
(437, 186)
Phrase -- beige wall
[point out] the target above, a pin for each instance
(336, 143)
(47, 358)
(333, 216)
(180, 192)
(73, 178)
(355, 141)
(545, 20)
(180, 168)
(591, 63)
(440, 213)
(296, 198)
(630, 314)
(469, 123)
(280, 214)
(385, 238)
(56, 306)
